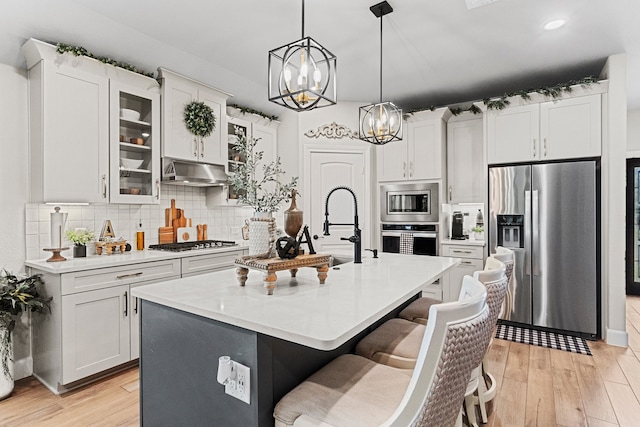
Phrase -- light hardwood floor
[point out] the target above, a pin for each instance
(536, 387)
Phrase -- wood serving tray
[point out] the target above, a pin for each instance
(271, 265)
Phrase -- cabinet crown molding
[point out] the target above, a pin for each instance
(35, 51)
(442, 113)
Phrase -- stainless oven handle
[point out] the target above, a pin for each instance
(418, 235)
(391, 234)
(425, 235)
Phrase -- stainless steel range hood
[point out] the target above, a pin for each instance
(180, 172)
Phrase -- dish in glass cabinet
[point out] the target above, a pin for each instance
(130, 163)
(128, 114)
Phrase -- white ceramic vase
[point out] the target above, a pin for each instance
(261, 233)
(6, 383)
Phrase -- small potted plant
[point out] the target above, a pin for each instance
(478, 233)
(79, 237)
(16, 295)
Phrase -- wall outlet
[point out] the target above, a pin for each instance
(240, 388)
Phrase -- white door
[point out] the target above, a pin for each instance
(325, 170)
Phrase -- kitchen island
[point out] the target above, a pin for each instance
(187, 324)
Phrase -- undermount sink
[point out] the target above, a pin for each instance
(335, 260)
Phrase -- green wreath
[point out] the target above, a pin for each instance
(199, 119)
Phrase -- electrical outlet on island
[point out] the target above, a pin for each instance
(240, 388)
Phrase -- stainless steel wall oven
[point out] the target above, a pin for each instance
(410, 239)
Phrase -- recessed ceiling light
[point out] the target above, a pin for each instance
(555, 24)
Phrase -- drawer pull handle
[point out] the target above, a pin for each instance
(466, 262)
(124, 276)
(457, 251)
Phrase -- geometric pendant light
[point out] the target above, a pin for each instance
(381, 123)
(302, 74)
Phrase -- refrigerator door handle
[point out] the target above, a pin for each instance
(535, 231)
(527, 232)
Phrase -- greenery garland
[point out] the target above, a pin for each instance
(247, 110)
(80, 51)
(502, 102)
(199, 118)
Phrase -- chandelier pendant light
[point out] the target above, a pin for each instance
(302, 74)
(381, 123)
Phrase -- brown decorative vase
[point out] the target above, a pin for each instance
(292, 217)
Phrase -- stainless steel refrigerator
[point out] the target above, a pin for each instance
(548, 214)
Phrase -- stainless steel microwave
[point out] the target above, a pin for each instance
(409, 203)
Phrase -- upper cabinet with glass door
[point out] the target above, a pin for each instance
(135, 144)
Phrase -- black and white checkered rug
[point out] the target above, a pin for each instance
(543, 339)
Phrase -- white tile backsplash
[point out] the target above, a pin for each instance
(224, 222)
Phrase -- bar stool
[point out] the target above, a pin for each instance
(352, 390)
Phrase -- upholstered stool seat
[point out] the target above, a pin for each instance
(395, 343)
(347, 386)
(418, 310)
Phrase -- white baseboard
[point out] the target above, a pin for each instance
(617, 338)
(22, 368)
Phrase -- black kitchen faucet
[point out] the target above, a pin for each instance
(356, 238)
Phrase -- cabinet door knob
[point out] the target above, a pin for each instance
(404, 169)
(201, 147)
(534, 147)
(544, 146)
(195, 147)
(410, 169)
(450, 193)
(104, 186)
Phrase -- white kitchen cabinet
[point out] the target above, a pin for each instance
(177, 141)
(472, 259)
(553, 130)
(421, 154)
(465, 161)
(95, 332)
(68, 128)
(135, 140)
(93, 325)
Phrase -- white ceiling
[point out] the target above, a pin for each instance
(436, 52)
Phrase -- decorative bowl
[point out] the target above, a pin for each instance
(130, 163)
(128, 114)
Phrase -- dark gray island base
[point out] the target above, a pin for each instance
(179, 363)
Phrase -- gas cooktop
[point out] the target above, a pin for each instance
(193, 246)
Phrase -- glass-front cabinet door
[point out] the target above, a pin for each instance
(633, 227)
(235, 127)
(135, 144)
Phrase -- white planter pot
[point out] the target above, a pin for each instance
(6, 383)
(261, 233)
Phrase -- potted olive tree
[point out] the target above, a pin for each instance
(258, 185)
(16, 295)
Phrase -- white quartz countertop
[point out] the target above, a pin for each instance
(118, 259)
(301, 310)
(466, 242)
